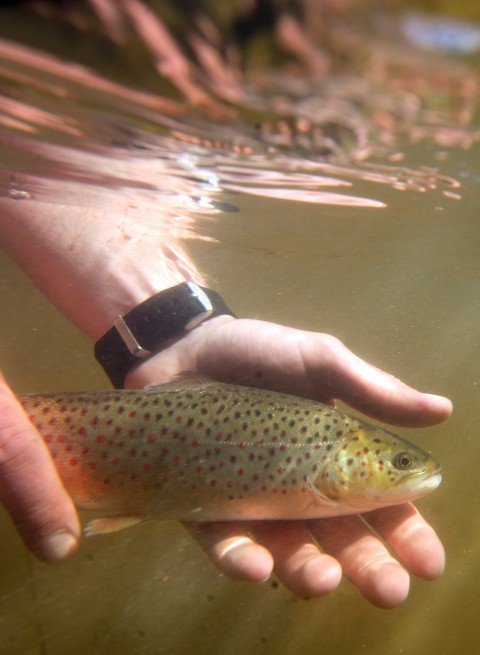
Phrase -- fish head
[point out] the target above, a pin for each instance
(374, 468)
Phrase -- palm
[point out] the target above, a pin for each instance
(316, 366)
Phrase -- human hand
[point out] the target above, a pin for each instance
(30, 488)
(309, 556)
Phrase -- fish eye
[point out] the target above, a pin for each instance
(403, 461)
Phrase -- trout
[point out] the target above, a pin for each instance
(207, 451)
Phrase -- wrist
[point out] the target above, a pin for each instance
(154, 325)
(180, 356)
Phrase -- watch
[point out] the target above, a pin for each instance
(151, 326)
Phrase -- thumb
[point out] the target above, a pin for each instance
(30, 487)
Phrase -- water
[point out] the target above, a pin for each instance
(398, 284)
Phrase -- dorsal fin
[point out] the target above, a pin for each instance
(183, 379)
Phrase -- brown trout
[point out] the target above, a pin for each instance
(207, 451)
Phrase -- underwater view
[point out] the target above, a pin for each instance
(317, 164)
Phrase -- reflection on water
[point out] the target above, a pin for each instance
(388, 262)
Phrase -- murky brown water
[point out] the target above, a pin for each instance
(398, 283)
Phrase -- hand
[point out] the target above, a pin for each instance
(30, 487)
(317, 366)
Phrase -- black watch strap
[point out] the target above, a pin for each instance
(151, 326)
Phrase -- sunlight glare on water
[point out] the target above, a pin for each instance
(376, 243)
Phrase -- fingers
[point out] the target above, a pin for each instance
(365, 561)
(30, 487)
(413, 540)
(232, 550)
(299, 564)
(347, 545)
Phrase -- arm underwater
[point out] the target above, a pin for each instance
(208, 451)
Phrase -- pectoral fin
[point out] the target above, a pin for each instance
(111, 524)
(325, 500)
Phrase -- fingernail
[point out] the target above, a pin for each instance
(59, 546)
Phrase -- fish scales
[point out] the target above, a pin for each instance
(212, 451)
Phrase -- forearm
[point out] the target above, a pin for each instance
(93, 265)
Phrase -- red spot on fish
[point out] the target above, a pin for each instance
(81, 430)
(101, 438)
(177, 459)
(60, 438)
(199, 469)
(73, 461)
(133, 452)
(93, 466)
(195, 442)
(242, 444)
(222, 463)
(229, 483)
(146, 467)
(132, 414)
(179, 419)
(118, 429)
(299, 460)
(85, 450)
(213, 483)
(32, 418)
(151, 438)
(116, 460)
(240, 472)
(280, 469)
(48, 438)
(146, 416)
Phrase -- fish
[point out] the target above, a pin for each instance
(201, 450)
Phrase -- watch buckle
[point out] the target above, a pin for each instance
(129, 339)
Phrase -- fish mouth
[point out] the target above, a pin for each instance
(429, 482)
(420, 485)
